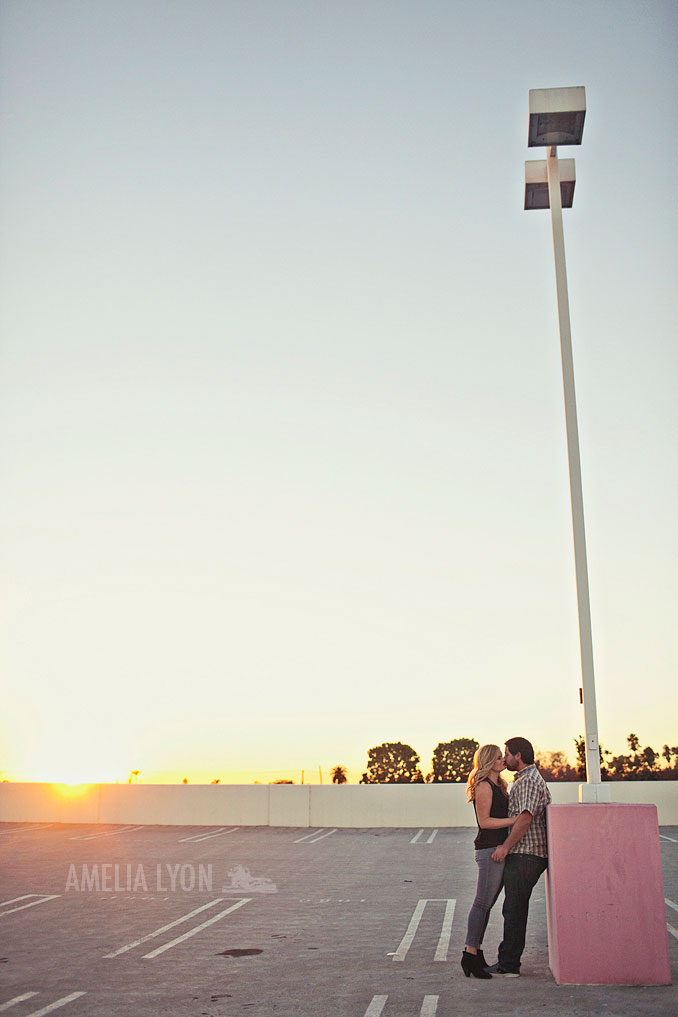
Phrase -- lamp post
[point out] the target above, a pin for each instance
(557, 118)
(591, 941)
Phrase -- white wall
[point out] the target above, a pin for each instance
(308, 805)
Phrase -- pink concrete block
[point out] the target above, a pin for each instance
(605, 896)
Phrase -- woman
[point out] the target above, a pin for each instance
(487, 790)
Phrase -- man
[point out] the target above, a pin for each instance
(525, 851)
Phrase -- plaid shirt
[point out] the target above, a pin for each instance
(529, 793)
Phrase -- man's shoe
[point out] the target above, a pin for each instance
(497, 969)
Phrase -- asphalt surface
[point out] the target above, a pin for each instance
(194, 921)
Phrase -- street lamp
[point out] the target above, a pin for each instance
(557, 118)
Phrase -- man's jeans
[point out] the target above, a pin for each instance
(521, 874)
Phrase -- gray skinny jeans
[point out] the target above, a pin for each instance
(490, 882)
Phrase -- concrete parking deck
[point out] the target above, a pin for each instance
(195, 921)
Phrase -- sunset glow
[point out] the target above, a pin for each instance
(283, 440)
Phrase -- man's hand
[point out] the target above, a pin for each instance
(519, 828)
(500, 853)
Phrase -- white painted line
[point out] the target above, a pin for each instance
(195, 836)
(201, 833)
(406, 941)
(674, 932)
(106, 833)
(111, 833)
(430, 841)
(25, 829)
(217, 833)
(15, 899)
(376, 1006)
(198, 928)
(672, 839)
(429, 1006)
(312, 834)
(45, 899)
(444, 941)
(56, 1005)
(671, 904)
(416, 837)
(328, 834)
(199, 836)
(17, 999)
(165, 928)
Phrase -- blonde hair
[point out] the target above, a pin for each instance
(484, 759)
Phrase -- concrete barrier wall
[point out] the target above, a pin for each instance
(49, 803)
(307, 805)
(185, 805)
(408, 805)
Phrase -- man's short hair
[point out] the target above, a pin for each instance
(522, 746)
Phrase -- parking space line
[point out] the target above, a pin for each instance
(206, 836)
(55, 1006)
(429, 1006)
(44, 899)
(17, 999)
(109, 833)
(198, 928)
(165, 928)
(322, 837)
(429, 840)
(197, 836)
(312, 834)
(672, 839)
(445, 934)
(671, 929)
(25, 829)
(406, 941)
(376, 1006)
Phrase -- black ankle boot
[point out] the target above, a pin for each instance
(471, 964)
(482, 958)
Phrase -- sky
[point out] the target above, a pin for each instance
(282, 435)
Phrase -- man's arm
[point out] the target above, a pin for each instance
(520, 828)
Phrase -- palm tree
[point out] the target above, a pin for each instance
(338, 774)
(135, 774)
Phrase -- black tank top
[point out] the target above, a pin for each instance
(498, 810)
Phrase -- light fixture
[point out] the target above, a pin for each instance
(556, 116)
(537, 184)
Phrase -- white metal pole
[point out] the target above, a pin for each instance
(576, 496)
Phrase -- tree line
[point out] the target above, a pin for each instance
(398, 763)
(638, 764)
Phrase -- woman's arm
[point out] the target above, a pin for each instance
(483, 800)
(522, 825)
